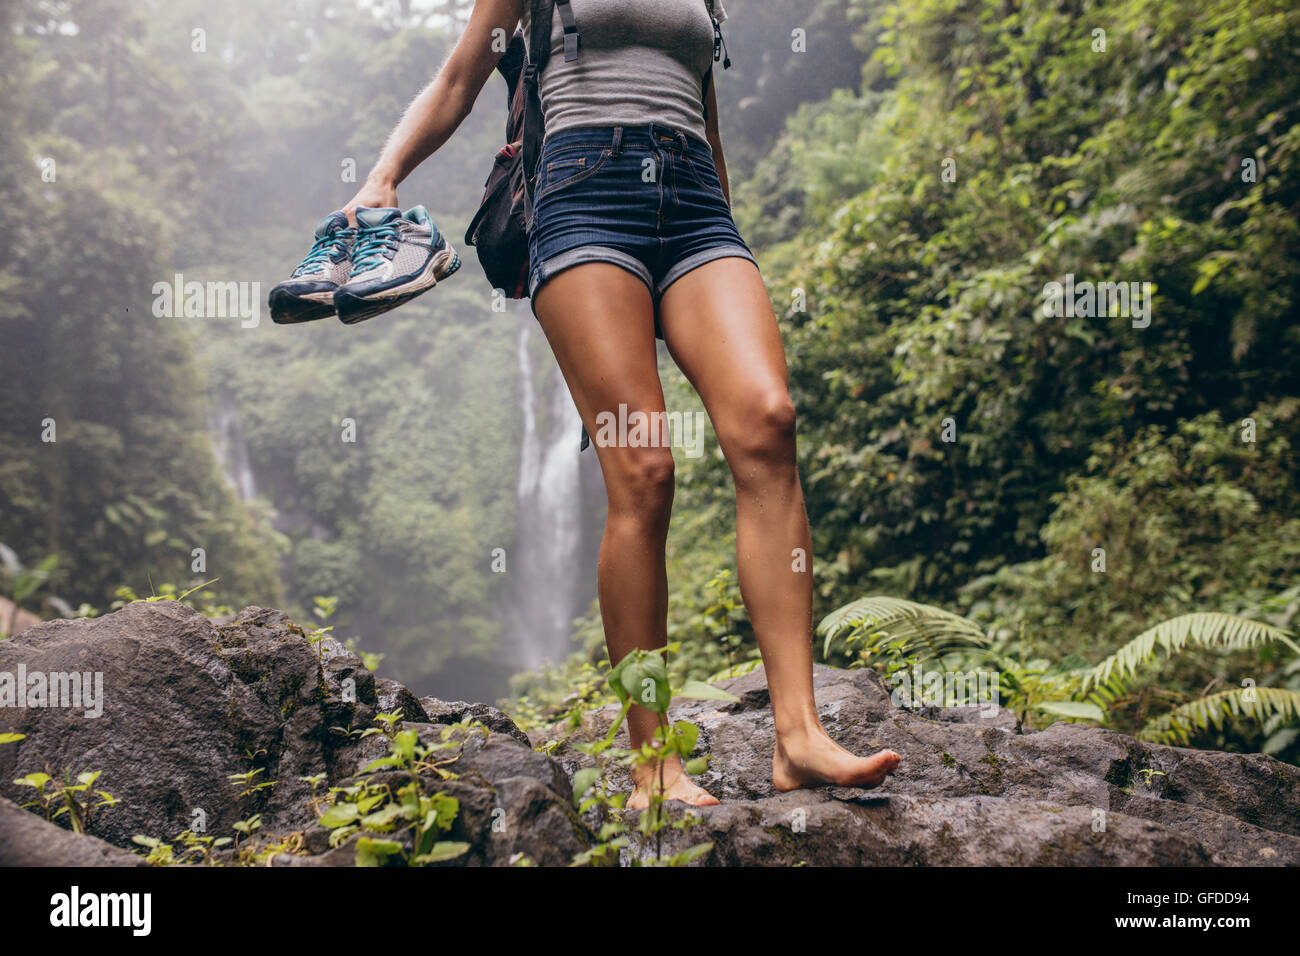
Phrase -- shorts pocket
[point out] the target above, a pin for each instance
(567, 165)
(705, 176)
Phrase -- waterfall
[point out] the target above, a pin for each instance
(231, 450)
(553, 579)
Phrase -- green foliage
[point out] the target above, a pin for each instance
(1209, 631)
(884, 626)
(170, 592)
(194, 848)
(1118, 691)
(710, 639)
(394, 819)
(1189, 515)
(564, 691)
(57, 799)
(923, 296)
(216, 165)
(641, 678)
(1270, 706)
(905, 299)
(392, 815)
(129, 484)
(908, 299)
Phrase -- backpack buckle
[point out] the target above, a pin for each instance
(570, 46)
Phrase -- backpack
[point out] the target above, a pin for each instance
(499, 229)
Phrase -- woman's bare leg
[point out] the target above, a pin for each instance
(720, 329)
(599, 320)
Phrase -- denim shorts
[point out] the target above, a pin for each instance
(646, 198)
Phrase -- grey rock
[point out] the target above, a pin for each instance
(971, 790)
(27, 840)
(817, 829)
(188, 703)
(455, 711)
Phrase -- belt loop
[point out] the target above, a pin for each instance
(618, 142)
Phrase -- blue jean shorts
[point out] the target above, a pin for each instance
(646, 198)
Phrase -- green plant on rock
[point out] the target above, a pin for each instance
(395, 818)
(170, 592)
(560, 692)
(315, 802)
(324, 609)
(249, 846)
(78, 801)
(641, 678)
(372, 659)
(194, 848)
(246, 851)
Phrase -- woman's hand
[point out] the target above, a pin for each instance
(373, 195)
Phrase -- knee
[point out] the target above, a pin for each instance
(640, 483)
(766, 436)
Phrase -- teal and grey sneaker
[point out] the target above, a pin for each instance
(397, 256)
(309, 293)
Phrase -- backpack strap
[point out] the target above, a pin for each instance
(719, 53)
(539, 51)
(570, 30)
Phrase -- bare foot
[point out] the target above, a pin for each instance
(677, 786)
(818, 761)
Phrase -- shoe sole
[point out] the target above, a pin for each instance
(352, 309)
(290, 309)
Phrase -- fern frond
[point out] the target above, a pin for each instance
(1269, 705)
(879, 619)
(1106, 693)
(1226, 631)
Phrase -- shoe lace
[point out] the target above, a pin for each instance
(374, 245)
(326, 249)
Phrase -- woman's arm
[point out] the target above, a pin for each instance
(715, 139)
(441, 106)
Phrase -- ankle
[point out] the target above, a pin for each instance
(649, 773)
(799, 732)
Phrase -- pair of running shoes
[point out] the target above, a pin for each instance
(388, 259)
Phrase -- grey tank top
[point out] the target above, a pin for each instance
(641, 62)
